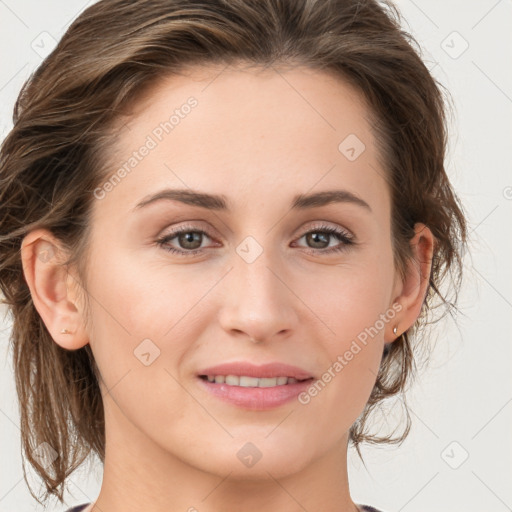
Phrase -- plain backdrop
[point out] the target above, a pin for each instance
(458, 454)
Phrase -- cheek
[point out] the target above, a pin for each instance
(346, 300)
(138, 343)
(141, 299)
(145, 318)
(350, 318)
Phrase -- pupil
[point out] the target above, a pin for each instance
(189, 237)
(317, 237)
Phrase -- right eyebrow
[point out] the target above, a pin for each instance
(317, 199)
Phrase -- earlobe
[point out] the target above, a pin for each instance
(47, 279)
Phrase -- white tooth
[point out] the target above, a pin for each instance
(248, 382)
(267, 382)
(232, 380)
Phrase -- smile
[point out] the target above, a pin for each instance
(250, 382)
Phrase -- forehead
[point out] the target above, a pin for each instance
(251, 131)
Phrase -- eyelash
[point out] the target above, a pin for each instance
(342, 236)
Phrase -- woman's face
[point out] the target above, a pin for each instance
(257, 277)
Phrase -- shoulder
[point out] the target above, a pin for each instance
(78, 508)
(368, 508)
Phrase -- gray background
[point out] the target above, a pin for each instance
(458, 454)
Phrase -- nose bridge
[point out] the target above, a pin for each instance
(257, 302)
(255, 271)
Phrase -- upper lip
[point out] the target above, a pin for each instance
(268, 370)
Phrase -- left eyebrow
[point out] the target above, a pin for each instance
(187, 196)
(220, 202)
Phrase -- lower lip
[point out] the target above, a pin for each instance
(256, 399)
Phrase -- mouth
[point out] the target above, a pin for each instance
(254, 387)
(246, 381)
(252, 393)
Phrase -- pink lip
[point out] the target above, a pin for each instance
(269, 370)
(256, 398)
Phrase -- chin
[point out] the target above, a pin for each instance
(257, 460)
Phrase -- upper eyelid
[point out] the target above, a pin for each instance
(321, 225)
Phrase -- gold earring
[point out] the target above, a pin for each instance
(65, 331)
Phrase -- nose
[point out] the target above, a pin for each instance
(257, 305)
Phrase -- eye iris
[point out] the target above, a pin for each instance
(315, 236)
(188, 237)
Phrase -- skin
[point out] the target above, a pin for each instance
(171, 445)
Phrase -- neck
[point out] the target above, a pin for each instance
(138, 472)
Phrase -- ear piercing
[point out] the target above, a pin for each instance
(394, 330)
(65, 331)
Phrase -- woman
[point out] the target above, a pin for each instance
(222, 227)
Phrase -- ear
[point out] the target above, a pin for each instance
(410, 292)
(52, 288)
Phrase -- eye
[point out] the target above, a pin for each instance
(319, 237)
(189, 238)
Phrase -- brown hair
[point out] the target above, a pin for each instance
(55, 157)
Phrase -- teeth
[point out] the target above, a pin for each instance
(251, 382)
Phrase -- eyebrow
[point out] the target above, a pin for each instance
(220, 202)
